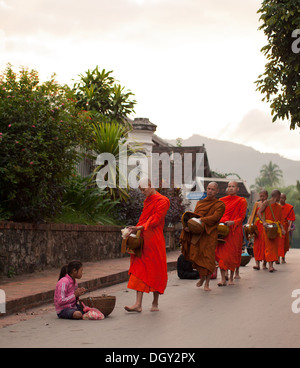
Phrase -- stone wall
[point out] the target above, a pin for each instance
(26, 248)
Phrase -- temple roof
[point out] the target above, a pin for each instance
(143, 124)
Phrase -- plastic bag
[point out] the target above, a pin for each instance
(91, 313)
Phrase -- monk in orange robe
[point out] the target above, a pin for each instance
(229, 254)
(259, 240)
(201, 251)
(266, 216)
(148, 273)
(288, 217)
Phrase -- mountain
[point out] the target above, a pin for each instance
(227, 157)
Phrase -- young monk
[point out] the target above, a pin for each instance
(259, 240)
(288, 217)
(265, 213)
(229, 254)
(201, 249)
(148, 273)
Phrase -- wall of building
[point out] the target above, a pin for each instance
(27, 248)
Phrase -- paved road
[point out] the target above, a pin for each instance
(255, 312)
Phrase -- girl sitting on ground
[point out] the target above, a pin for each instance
(67, 292)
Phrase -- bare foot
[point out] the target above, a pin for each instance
(237, 277)
(231, 282)
(134, 308)
(77, 315)
(154, 308)
(200, 282)
(272, 269)
(206, 288)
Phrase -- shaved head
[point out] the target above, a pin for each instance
(145, 182)
(232, 188)
(145, 187)
(275, 193)
(214, 184)
(212, 190)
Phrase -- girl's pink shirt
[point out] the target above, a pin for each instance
(64, 295)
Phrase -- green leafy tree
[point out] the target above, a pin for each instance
(108, 105)
(40, 131)
(216, 174)
(178, 142)
(298, 188)
(280, 83)
(98, 92)
(108, 137)
(270, 176)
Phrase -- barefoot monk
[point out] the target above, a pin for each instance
(229, 254)
(270, 213)
(148, 273)
(200, 249)
(259, 240)
(288, 217)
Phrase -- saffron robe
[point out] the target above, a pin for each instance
(229, 255)
(259, 240)
(271, 245)
(288, 214)
(202, 251)
(150, 270)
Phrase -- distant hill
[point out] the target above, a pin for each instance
(228, 157)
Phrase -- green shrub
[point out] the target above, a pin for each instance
(85, 203)
(40, 131)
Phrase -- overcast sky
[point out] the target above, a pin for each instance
(190, 63)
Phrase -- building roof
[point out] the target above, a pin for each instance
(192, 165)
(157, 141)
(143, 124)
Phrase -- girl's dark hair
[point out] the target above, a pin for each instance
(68, 268)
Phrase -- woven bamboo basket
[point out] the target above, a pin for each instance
(105, 303)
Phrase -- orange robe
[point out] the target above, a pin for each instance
(229, 254)
(149, 272)
(288, 214)
(259, 240)
(202, 251)
(271, 245)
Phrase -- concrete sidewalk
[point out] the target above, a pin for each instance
(32, 290)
